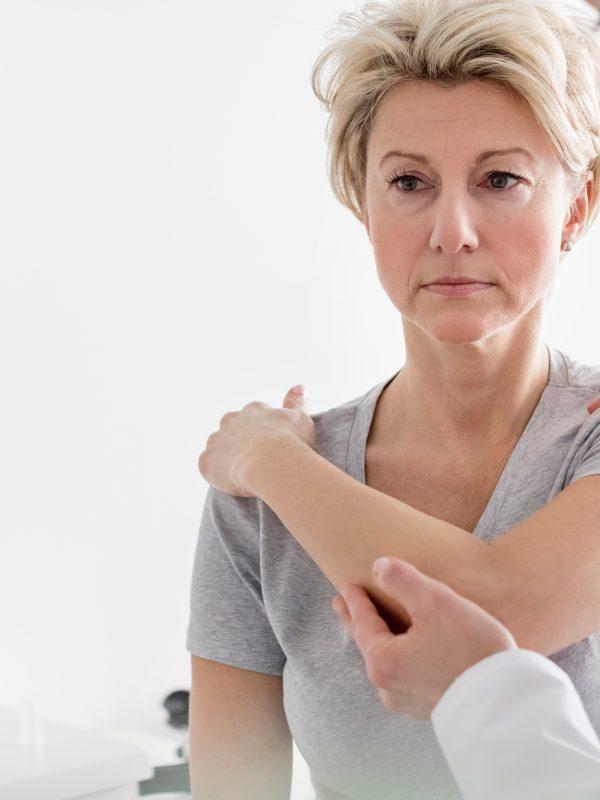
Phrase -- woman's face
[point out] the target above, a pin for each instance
(461, 213)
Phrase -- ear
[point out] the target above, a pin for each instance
(577, 214)
(366, 221)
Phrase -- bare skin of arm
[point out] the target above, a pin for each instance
(344, 525)
(240, 742)
(541, 579)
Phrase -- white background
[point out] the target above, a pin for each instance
(170, 250)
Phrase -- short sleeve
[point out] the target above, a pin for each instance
(588, 455)
(228, 621)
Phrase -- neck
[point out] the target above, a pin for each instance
(469, 397)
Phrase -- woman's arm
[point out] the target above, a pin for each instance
(541, 579)
(224, 701)
(344, 525)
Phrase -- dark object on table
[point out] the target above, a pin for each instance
(178, 704)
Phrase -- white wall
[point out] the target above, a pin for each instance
(170, 250)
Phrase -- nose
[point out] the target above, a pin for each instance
(453, 223)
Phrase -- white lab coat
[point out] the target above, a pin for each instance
(513, 726)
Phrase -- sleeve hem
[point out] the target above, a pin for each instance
(246, 659)
(585, 473)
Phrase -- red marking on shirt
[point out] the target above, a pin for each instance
(594, 405)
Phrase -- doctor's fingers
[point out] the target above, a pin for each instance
(405, 701)
(392, 660)
(368, 627)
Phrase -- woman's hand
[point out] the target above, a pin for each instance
(242, 432)
(448, 634)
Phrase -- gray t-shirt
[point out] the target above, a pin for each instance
(259, 602)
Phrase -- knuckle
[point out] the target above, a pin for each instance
(255, 404)
(439, 601)
(378, 671)
(372, 672)
(390, 701)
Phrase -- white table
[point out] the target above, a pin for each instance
(70, 764)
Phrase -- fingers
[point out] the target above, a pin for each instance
(341, 610)
(415, 590)
(366, 624)
(296, 399)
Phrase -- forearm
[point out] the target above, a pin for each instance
(345, 525)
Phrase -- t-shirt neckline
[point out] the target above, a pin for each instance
(363, 418)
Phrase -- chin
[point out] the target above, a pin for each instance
(460, 333)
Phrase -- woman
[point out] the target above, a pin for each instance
(482, 426)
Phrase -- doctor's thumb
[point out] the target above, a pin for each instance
(402, 581)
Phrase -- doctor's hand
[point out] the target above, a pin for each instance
(448, 634)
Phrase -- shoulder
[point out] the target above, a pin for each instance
(230, 524)
(572, 373)
(574, 386)
(334, 426)
(576, 419)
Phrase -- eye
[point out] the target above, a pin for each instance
(514, 176)
(398, 178)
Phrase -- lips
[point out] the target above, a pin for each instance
(457, 289)
(447, 280)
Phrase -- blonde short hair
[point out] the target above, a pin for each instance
(547, 51)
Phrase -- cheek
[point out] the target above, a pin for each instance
(530, 232)
(526, 255)
(398, 251)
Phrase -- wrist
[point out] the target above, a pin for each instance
(254, 464)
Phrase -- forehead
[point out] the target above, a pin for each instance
(424, 117)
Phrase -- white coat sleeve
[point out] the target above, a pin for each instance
(513, 726)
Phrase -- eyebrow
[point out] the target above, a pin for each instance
(482, 157)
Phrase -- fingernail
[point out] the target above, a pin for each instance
(380, 565)
(298, 389)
